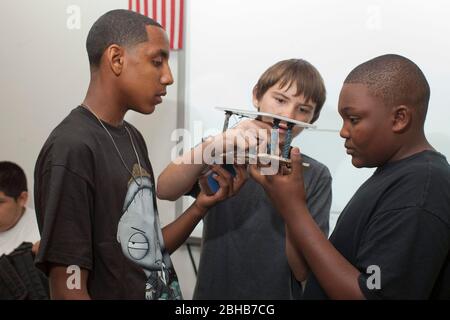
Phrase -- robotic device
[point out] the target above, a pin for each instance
(210, 186)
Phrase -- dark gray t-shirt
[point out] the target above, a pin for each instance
(243, 248)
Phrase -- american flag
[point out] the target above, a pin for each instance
(168, 13)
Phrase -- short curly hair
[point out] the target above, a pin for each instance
(122, 27)
(394, 79)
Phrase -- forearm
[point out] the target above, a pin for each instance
(335, 274)
(180, 175)
(64, 287)
(176, 233)
(295, 259)
(177, 179)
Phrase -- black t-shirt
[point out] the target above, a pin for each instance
(397, 228)
(94, 215)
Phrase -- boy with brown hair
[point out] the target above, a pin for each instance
(392, 239)
(246, 252)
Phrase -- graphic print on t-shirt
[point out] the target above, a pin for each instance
(140, 237)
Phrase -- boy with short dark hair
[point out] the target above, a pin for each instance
(17, 221)
(246, 252)
(392, 239)
(94, 184)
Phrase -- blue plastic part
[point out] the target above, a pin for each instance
(213, 184)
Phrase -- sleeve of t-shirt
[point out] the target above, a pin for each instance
(319, 201)
(401, 254)
(64, 204)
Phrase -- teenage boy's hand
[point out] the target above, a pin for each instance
(229, 186)
(35, 247)
(247, 134)
(257, 133)
(282, 186)
(252, 124)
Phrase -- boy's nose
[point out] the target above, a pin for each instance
(289, 112)
(344, 133)
(167, 77)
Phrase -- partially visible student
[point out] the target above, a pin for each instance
(17, 221)
(392, 239)
(247, 252)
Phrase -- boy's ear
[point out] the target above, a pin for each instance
(402, 118)
(254, 99)
(22, 199)
(115, 58)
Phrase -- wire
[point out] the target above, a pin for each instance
(236, 119)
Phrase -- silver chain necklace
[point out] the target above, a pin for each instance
(115, 146)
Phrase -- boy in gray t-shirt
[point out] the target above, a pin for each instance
(246, 252)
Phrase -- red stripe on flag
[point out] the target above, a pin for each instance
(163, 13)
(180, 35)
(154, 9)
(138, 6)
(146, 8)
(167, 17)
(172, 22)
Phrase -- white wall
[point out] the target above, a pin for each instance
(230, 43)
